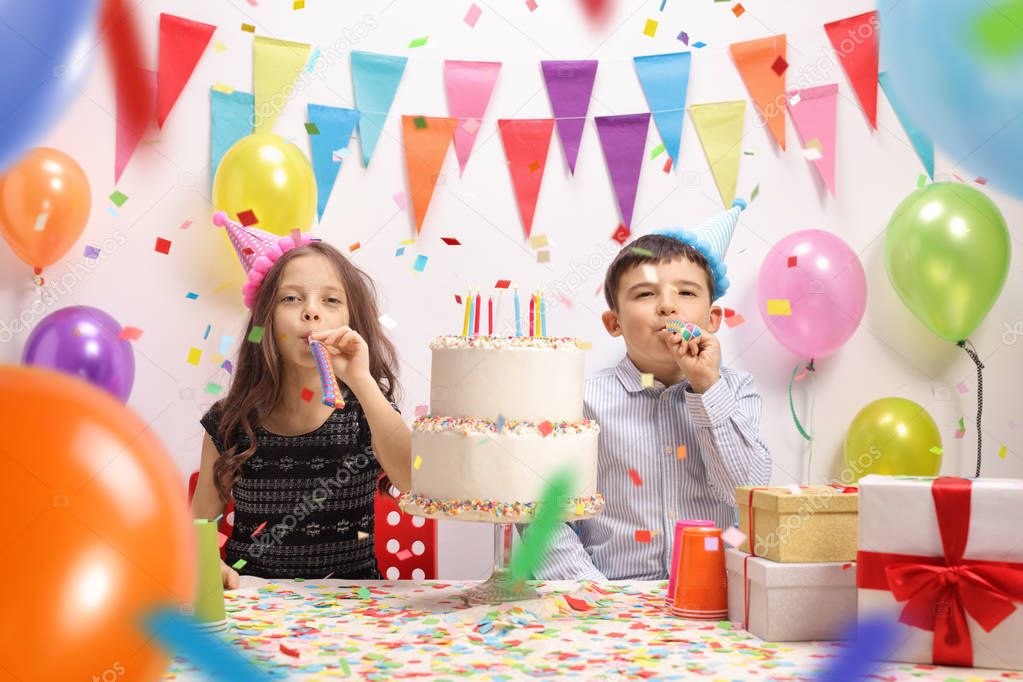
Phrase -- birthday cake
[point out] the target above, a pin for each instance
(506, 414)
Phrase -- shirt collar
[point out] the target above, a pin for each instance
(631, 378)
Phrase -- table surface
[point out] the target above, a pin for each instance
(388, 630)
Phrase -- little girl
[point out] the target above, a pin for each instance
(303, 474)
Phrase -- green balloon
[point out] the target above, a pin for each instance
(892, 437)
(947, 253)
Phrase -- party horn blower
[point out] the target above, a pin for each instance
(209, 602)
(686, 329)
(331, 391)
(702, 589)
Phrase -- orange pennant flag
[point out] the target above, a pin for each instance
(526, 142)
(762, 65)
(426, 144)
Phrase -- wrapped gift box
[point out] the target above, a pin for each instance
(791, 602)
(818, 524)
(944, 557)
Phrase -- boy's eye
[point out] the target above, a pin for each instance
(644, 293)
(688, 293)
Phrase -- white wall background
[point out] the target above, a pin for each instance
(168, 183)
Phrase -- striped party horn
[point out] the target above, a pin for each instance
(331, 390)
(686, 329)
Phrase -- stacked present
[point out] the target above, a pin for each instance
(798, 582)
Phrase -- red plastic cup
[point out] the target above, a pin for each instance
(676, 550)
(702, 589)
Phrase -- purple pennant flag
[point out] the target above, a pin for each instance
(623, 139)
(569, 84)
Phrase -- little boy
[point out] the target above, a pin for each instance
(688, 426)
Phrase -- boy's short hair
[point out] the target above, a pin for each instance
(651, 248)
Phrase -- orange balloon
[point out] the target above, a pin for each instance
(95, 532)
(44, 205)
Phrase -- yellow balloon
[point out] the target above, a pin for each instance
(271, 177)
(894, 437)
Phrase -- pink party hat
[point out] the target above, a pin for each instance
(257, 250)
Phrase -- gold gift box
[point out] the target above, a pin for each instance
(819, 524)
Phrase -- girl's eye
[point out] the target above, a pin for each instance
(289, 299)
(334, 301)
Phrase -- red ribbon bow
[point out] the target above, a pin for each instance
(940, 591)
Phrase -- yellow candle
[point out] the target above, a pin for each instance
(536, 330)
(465, 324)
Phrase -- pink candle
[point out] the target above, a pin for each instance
(476, 322)
(490, 316)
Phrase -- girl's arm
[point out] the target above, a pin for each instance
(391, 438)
(206, 502)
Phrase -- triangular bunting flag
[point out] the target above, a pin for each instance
(762, 65)
(182, 42)
(665, 78)
(921, 143)
(469, 86)
(855, 41)
(133, 118)
(333, 130)
(719, 127)
(375, 78)
(426, 144)
(231, 115)
(623, 139)
(813, 113)
(526, 142)
(275, 64)
(569, 86)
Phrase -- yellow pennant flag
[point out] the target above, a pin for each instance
(275, 64)
(719, 127)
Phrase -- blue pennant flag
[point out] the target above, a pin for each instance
(665, 78)
(231, 116)
(329, 145)
(375, 78)
(921, 143)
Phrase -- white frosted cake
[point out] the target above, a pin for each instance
(506, 414)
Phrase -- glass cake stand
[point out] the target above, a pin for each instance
(500, 587)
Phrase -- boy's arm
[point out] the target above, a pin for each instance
(567, 559)
(727, 421)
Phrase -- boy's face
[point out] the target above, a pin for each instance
(648, 296)
(310, 298)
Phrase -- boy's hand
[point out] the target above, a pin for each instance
(699, 358)
(229, 576)
(349, 354)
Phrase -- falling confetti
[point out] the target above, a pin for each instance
(473, 15)
(539, 535)
(256, 335)
(162, 246)
(650, 29)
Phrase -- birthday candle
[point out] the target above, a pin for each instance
(532, 305)
(472, 309)
(518, 316)
(536, 296)
(476, 323)
(543, 315)
(497, 312)
(490, 315)
(465, 323)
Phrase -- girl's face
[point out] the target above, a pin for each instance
(311, 297)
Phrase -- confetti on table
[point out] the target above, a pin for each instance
(248, 28)
(779, 307)
(256, 335)
(451, 241)
(193, 355)
(420, 263)
(578, 604)
(733, 537)
(738, 10)
(545, 428)
(162, 246)
(311, 128)
(680, 452)
(538, 241)
(306, 394)
(646, 380)
(779, 66)
(247, 217)
(364, 593)
(651, 28)
(643, 536)
(130, 333)
(91, 252)
(118, 198)
(288, 651)
(418, 42)
(473, 15)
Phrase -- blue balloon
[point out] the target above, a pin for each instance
(957, 67)
(44, 51)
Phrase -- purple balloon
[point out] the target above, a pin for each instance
(826, 289)
(83, 341)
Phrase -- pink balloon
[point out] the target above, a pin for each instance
(824, 283)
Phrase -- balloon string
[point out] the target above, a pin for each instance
(972, 352)
(792, 406)
(813, 429)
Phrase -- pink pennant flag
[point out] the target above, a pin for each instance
(469, 86)
(526, 142)
(130, 130)
(813, 111)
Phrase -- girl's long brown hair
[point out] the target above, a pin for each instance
(256, 384)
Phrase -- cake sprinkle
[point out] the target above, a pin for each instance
(503, 342)
(515, 510)
(467, 425)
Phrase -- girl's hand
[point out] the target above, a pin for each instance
(699, 358)
(348, 352)
(229, 576)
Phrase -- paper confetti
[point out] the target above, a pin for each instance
(419, 42)
(239, 565)
(545, 428)
(162, 246)
(118, 198)
(193, 355)
(400, 199)
(306, 394)
(247, 218)
(422, 410)
(213, 389)
(935, 450)
(130, 333)
(538, 241)
(543, 256)
(738, 10)
(473, 15)
(634, 475)
(680, 452)
(214, 657)
(387, 321)
(961, 387)
(311, 128)
(646, 380)
(451, 241)
(531, 5)
(1001, 452)
(420, 263)
(256, 335)
(418, 462)
(779, 306)
(657, 151)
(733, 537)
(683, 36)
(754, 193)
(248, 28)
(650, 29)
(779, 66)
(539, 535)
(643, 536)
(352, 248)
